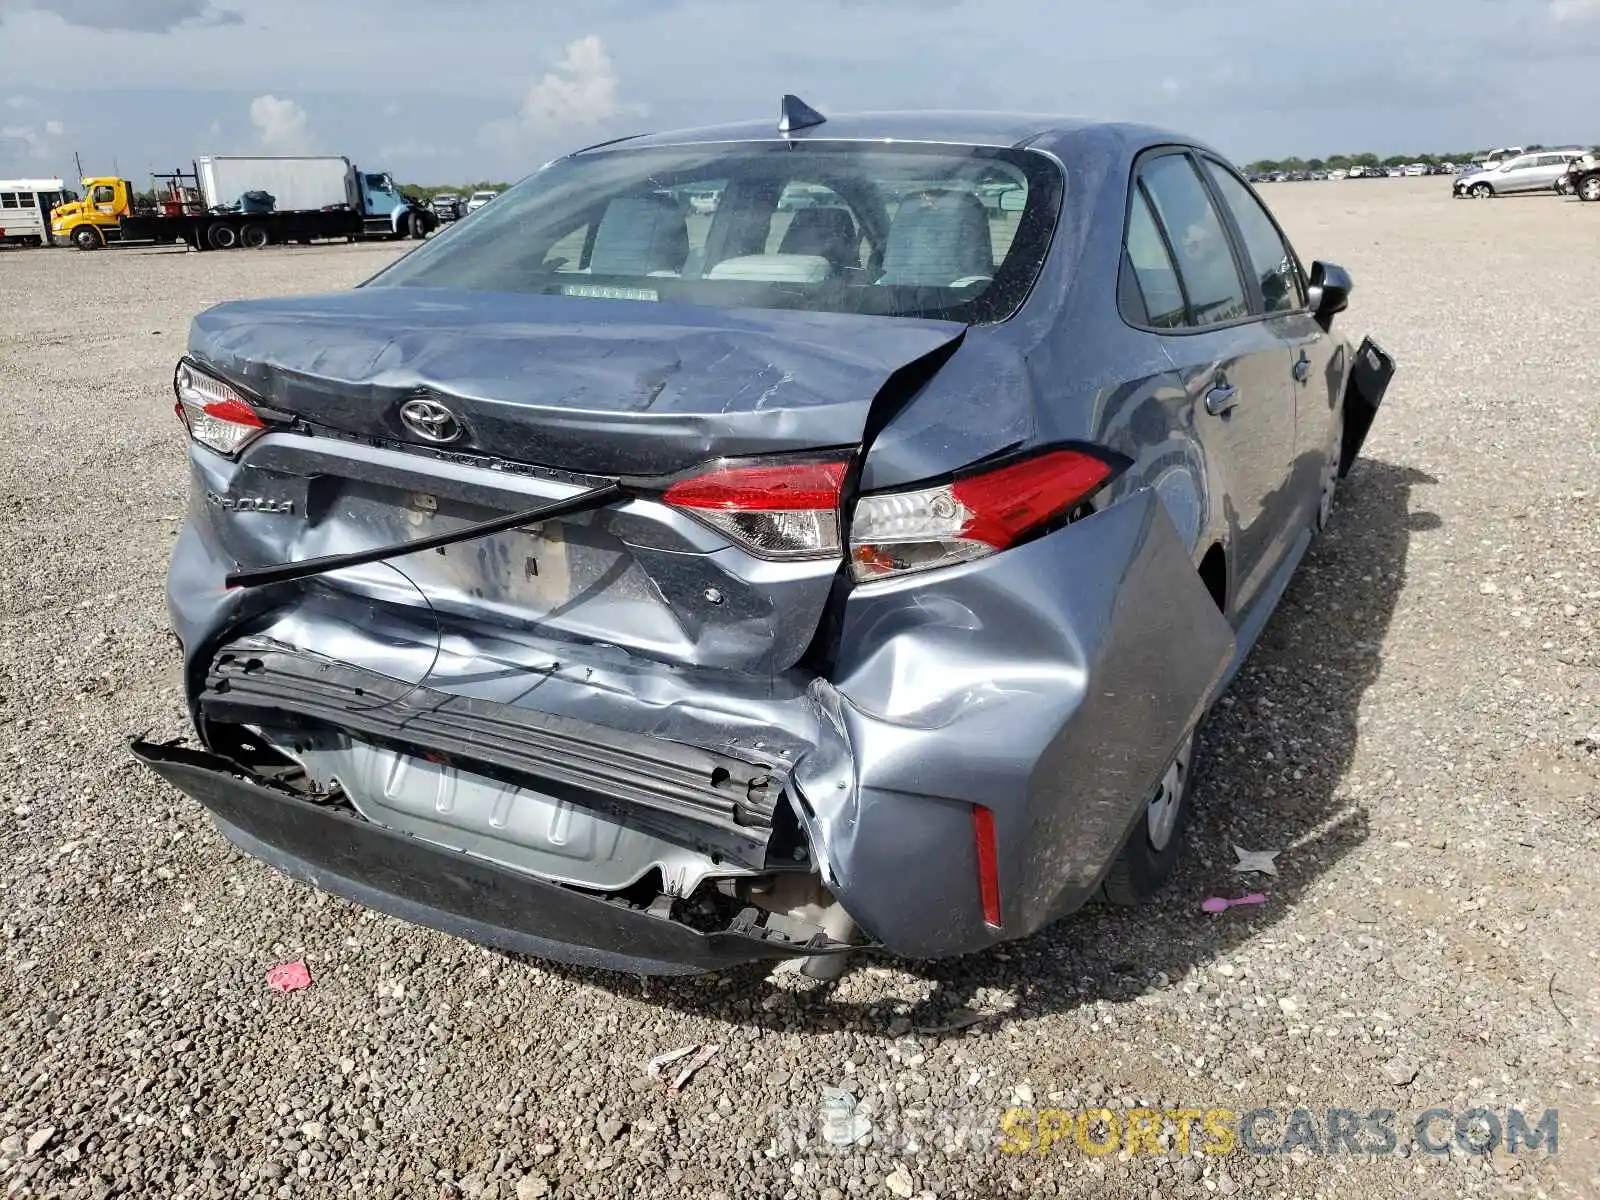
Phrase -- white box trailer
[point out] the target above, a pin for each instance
(296, 183)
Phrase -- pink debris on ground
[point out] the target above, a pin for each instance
(1217, 904)
(289, 977)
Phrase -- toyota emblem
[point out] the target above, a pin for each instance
(430, 420)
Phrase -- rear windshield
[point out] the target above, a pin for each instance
(957, 233)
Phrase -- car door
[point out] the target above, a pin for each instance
(1235, 369)
(1316, 370)
(1518, 175)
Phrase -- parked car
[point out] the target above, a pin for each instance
(447, 207)
(1583, 177)
(1535, 172)
(1416, 170)
(660, 602)
(479, 199)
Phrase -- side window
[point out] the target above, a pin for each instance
(103, 194)
(1269, 257)
(1152, 268)
(8, 199)
(1205, 257)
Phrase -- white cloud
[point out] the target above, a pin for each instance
(582, 91)
(136, 16)
(28, 141)
(18, 102)
(281, 124)
(1574, 10)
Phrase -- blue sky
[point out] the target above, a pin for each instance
(452, 90)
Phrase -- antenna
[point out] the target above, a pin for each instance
(794, 113)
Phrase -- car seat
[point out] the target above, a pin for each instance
(938, 238)
(828, 232)
(640, 235)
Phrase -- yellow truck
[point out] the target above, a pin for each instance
(238, 201)
(93, 221)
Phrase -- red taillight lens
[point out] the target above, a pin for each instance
(899, 532)
(774, 510)
(216, 415)
(988, 864)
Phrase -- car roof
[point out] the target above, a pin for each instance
(957, 127)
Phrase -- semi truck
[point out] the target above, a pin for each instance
(227, 201)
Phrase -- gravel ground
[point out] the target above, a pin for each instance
(1418, 734)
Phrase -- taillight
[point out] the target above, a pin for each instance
(216, 415)
(983, 841)
(894, 533)
(774, 510)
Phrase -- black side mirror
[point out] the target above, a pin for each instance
(1328, 292)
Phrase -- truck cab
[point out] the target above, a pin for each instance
(94, 220)
(385, 209)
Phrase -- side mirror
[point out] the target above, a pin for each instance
(1328, 292)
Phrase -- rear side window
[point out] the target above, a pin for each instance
(1152, 267)
(1274, 267)
(1198, 238)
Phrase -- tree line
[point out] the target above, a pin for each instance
(424, 193)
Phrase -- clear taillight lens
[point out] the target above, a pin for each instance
(216, 415)
(896, 533)
(774, 510)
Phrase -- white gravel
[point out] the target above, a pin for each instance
(1418, 734)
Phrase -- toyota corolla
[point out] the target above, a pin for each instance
(844, 563)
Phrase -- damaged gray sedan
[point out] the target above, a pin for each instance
(759, 542)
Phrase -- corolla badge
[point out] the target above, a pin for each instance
(430, 420)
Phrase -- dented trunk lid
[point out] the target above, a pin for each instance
(603, 387)
(554, 395)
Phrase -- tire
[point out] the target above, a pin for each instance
(87, 237)
(222, 236)
(1146, 860)
(254, 236)
(1480, 191)
(416, 226)
(1589, 187)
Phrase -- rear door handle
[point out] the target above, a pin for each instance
(1221, 398)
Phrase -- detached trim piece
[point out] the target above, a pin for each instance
(258, 681)
(288, 572)
(446, 890)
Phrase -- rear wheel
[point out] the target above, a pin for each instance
(222, 236)
(1589, 189)
(1480, 191)
(1147, 858)
(254, 236)
(417, 226)
(86, 237)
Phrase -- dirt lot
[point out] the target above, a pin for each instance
(1418, 734)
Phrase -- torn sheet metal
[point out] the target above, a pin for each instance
(1005, 687)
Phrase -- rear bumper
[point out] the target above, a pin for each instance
(429, 885)
(1050, 684)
